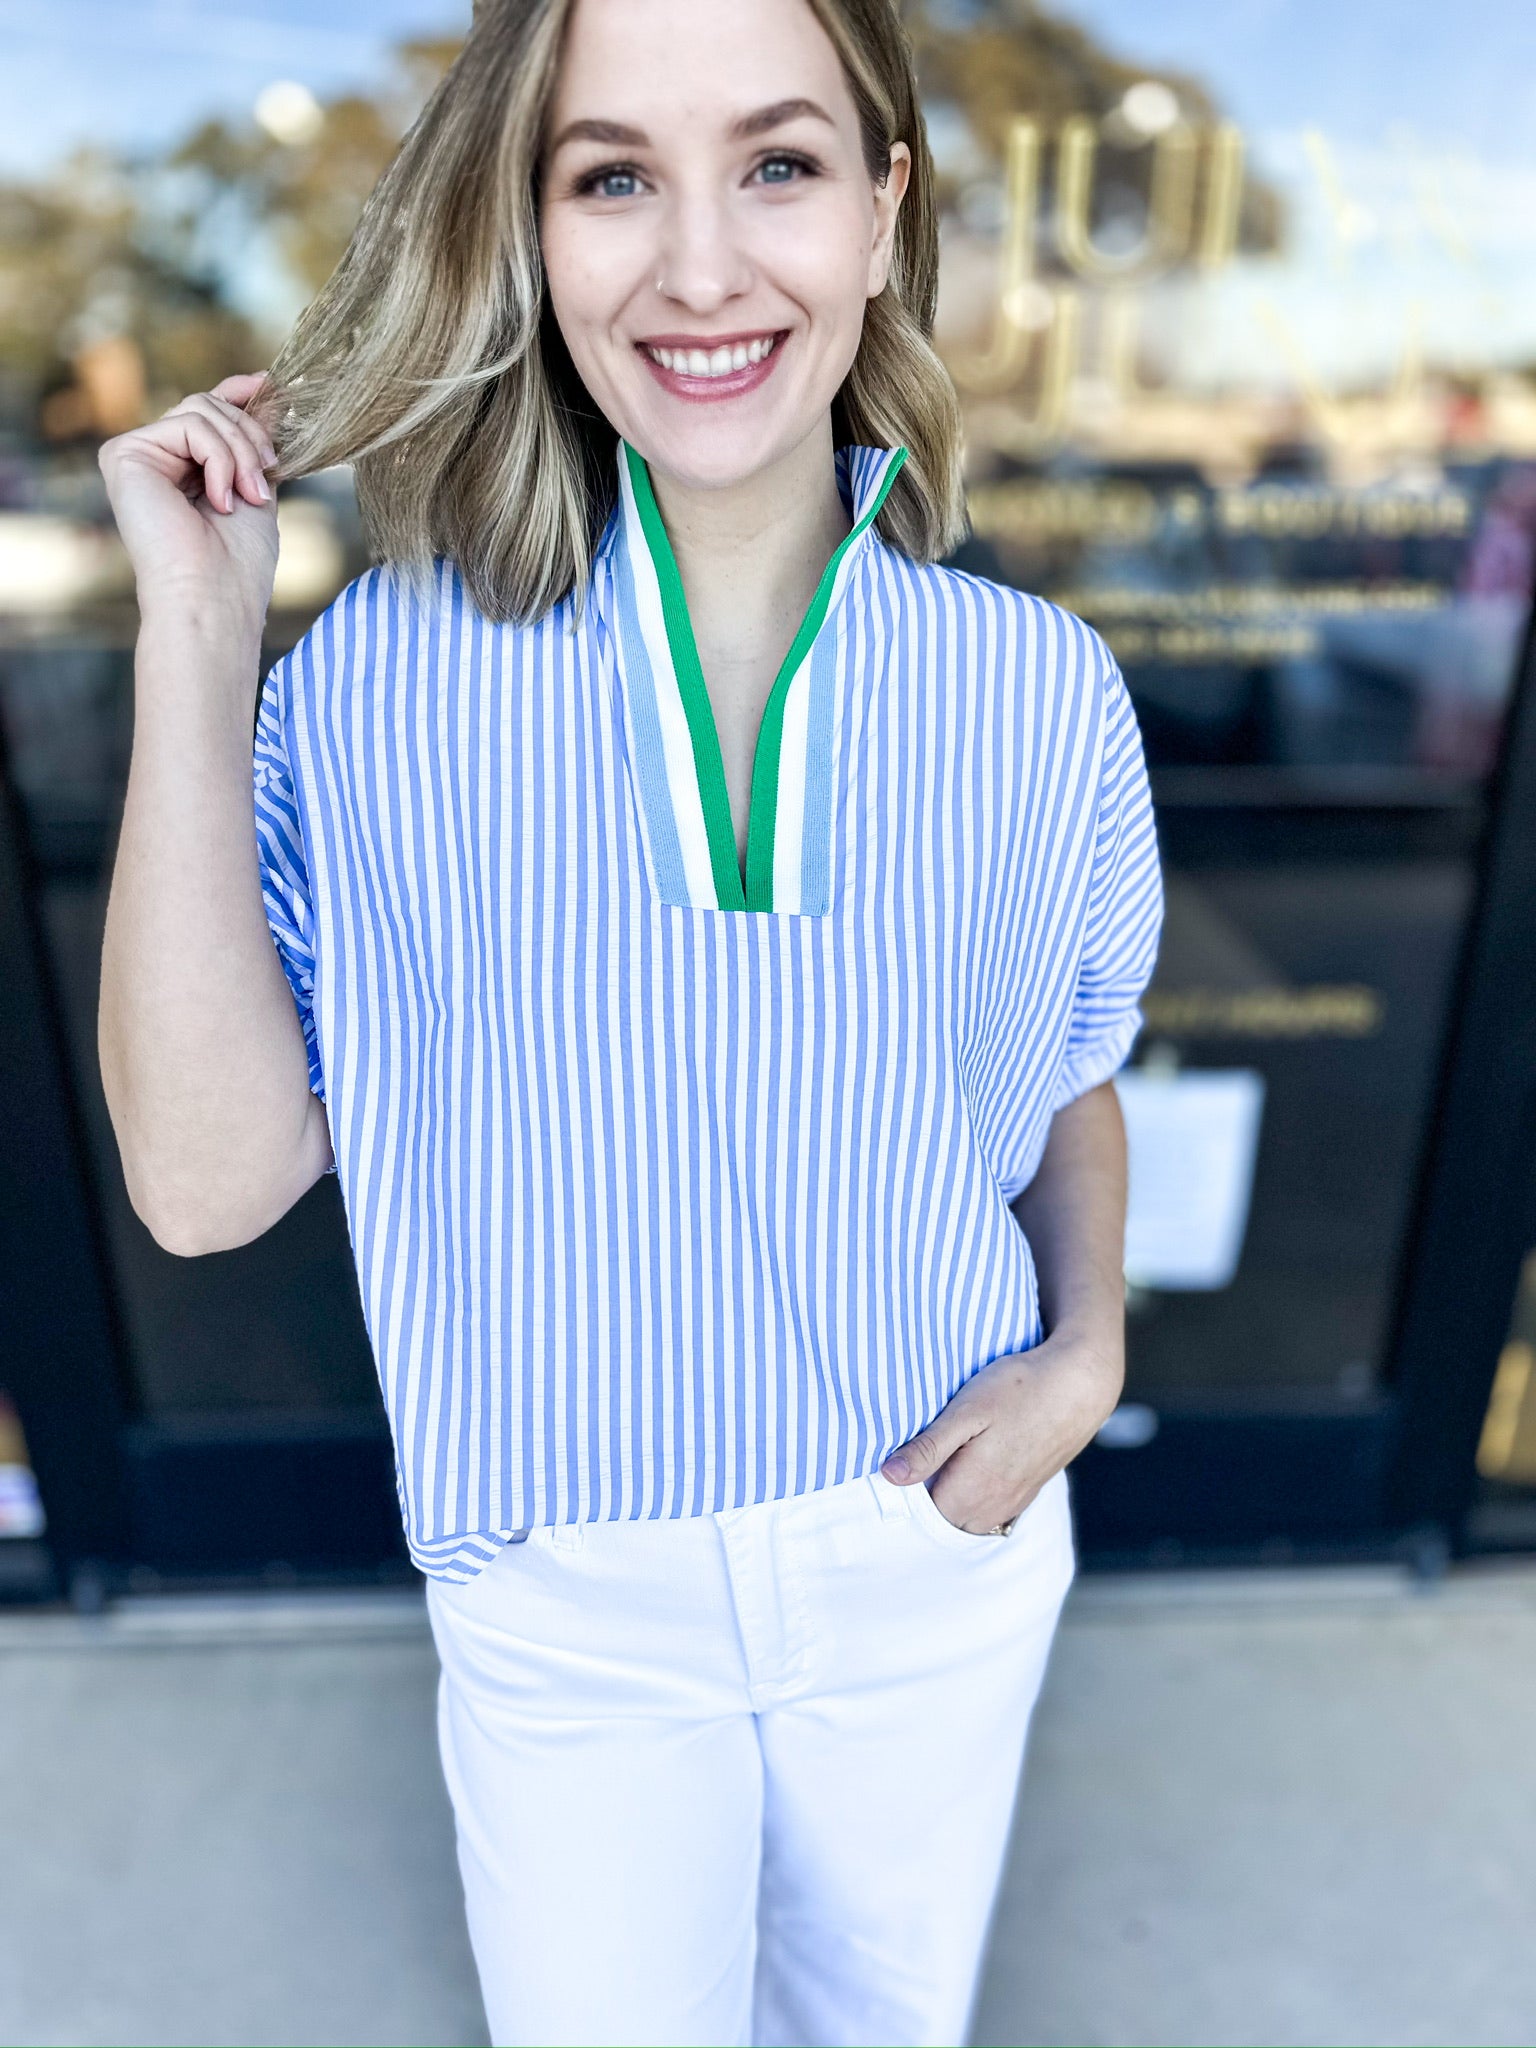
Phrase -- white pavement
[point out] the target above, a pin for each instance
(1289, 1807)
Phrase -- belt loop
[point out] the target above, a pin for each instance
(567, 1535)
(889, 1494)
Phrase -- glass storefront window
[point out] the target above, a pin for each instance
(1242, 315)
(1245, 335)
(138, 262)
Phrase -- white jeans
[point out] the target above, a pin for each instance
(744, 1777)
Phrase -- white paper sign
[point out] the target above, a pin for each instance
(1193, 1139)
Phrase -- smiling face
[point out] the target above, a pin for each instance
(710, 231)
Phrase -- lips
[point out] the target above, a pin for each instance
(709, 367)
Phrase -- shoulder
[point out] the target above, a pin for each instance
(381, 599)
(388, 623)
(1008, 637)
(334, 636)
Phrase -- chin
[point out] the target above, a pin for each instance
(713, 447)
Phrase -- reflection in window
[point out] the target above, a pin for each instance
(1239, 393)
(21, 1509)
(1506, 1451)
(1247, 359)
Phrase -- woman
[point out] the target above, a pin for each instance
(686, 918)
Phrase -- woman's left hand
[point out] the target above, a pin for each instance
(1012, 1427)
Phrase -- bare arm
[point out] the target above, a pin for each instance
(202, 1054)
(1073, 1213)
(1015, 1424)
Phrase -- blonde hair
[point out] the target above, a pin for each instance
(431, 360)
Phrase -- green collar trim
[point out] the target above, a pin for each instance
(754, 890)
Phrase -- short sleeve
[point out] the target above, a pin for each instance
(285, 888)
(1125, 906)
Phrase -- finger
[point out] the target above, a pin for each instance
(205, 448)
(248, 414)
(250, 429)
(977, 1489)
(926, 1452)
(208, 447)
(224, 414)
(982, 1517)
(241, 387)
(243, 392)
(186, 449)
(243, 440)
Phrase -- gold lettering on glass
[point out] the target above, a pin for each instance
(1165, 240)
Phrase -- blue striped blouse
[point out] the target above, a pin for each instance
(676, 1183)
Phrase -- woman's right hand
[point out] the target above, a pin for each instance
(192, 504)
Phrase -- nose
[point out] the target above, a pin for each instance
(701, 263)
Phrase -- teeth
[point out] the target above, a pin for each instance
(719, 362)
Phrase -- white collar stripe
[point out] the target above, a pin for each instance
(815, 884)
(681, 781)
(789, 812)
(657, 822)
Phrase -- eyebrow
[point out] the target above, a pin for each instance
(775, 116)
(760, 122)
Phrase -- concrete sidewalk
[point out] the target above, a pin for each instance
(1288, 1808)
(1262, 1808)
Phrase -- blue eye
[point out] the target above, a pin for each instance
(784, 167)
(614, 181)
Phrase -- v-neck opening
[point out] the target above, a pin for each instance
(735, 889)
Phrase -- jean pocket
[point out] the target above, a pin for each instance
(931, 1518)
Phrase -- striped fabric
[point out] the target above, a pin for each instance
(671, 1186)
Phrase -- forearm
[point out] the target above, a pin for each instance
(202, 1055)
(1073, 1213)
(1009, 1428)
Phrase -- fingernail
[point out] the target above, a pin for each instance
(263, 487)
(229, 501)
(896, 1468)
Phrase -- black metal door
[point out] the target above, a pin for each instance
(175, 1416)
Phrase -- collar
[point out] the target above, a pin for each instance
(674, 741)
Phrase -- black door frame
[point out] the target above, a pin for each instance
(61, 1351)
(1261, 1477)
(1475, 1215)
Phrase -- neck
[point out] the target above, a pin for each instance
(751, 554)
